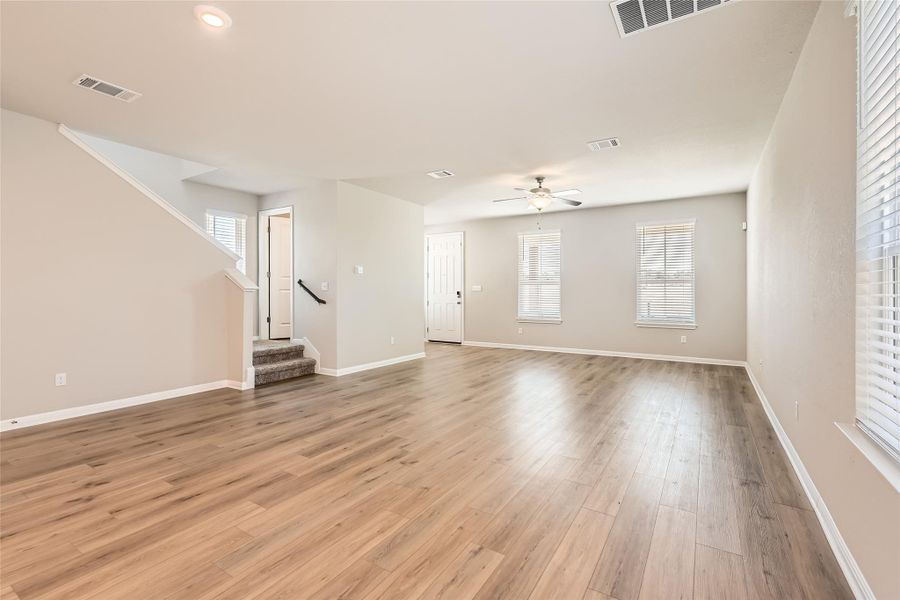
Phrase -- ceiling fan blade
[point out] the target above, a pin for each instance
(509, 199)
(567, 201)
(522, 189)
(571, 192)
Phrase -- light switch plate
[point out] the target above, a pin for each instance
(476, 288)
(358, 269)
(324, 286)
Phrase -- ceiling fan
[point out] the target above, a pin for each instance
(541, 197)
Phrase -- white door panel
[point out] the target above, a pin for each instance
(280, 284)
(444, 289)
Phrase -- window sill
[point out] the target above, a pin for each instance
(547, 321)
(664, 325)
(883, 462)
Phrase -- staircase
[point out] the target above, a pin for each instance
(277, 360)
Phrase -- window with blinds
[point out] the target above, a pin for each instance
(231, 231)
(665, 274)
(878, 224)
(539, 276)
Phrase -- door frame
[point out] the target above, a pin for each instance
(462, 263)
(262, 221)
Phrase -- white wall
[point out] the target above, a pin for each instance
(598, 279)
(384, 235)
(801, 291)
(315, 261)
(89, 290)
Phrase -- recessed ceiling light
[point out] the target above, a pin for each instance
(440, 174)
(212, 16)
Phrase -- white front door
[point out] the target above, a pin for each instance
(280, 284)
(444, 287)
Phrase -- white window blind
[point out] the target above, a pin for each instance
(665, 274)
(231, 231)
(539, 276)
(878, 224)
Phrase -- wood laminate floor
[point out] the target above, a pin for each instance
(475, 473)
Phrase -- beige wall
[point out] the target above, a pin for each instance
(163, 174)
(95, 283)
(315, 261)
(384, 236)
(801, 291)
(338, 225)
(598, 279)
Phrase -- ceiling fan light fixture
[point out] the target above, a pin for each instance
(539, 201)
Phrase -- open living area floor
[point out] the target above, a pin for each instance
(473, 473)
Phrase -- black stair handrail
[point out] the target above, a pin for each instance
(310, 292)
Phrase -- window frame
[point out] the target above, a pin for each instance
(241, 264)
(665, 323)
(885, 278)
(519, 242)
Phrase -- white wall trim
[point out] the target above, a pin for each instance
(240, 280)
(372, 365)
(90, 409)
(311, 351)
(668, 357)
(73, 137)
(852, 572)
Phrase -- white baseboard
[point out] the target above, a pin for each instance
(668, 357)
(90, 409)
(372, 365)
(852, 572)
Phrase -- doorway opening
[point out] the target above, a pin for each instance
(276, 273)
(444, 296)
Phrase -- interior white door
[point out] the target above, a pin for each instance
(280, 275)
(444, 287)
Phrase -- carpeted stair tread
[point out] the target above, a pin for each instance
(286, 369)
(275, 351)
(293, 363)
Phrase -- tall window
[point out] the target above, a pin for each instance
(665, 274)
(230, 230)
(539, 282)
(878, 225)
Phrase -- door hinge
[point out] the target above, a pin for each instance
(268, 319)
(268, 275)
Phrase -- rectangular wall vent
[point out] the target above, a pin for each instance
(440, 174)
(601, 144)
(106, 88)
(633, 16)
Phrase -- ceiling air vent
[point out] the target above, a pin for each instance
(106, 88)
(440, 174)
(633, 16)
(601, 144)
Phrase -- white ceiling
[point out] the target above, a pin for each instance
(379, 93)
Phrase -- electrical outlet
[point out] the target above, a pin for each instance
(684, 339)
(60, 379)
(323, 286)
(761, 362)
(392, 340)
(520, 331)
